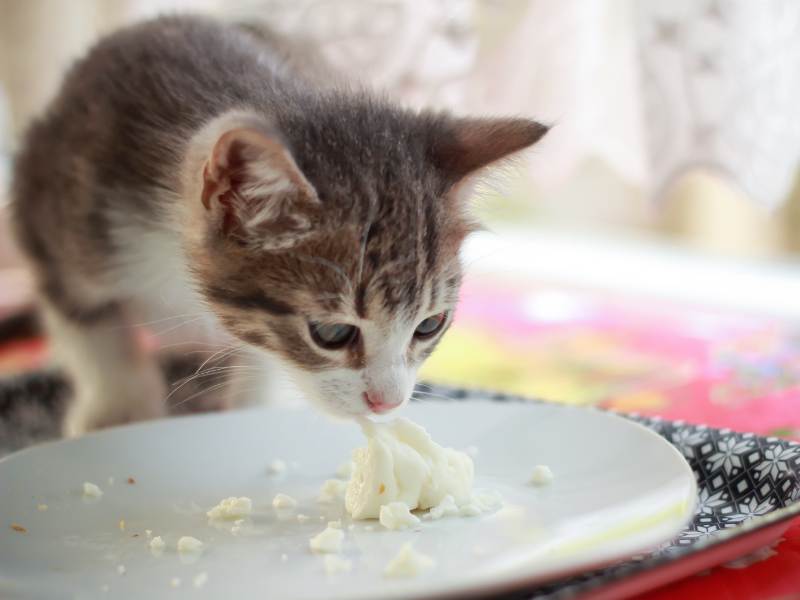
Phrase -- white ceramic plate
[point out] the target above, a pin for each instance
(619, 489)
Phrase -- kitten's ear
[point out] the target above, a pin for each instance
(467, 145)
(254, 191)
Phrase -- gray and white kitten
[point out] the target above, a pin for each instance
(191, 167)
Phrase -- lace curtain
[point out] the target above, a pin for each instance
(651, 88)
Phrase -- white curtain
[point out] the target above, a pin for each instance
(649, 87)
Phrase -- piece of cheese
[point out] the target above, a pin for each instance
(188, 544)
(408, 563)
(231, 508)
(401, 463)
(328, 541)
(90, 490)
(542, 475)
(396, 515)
(283, 501)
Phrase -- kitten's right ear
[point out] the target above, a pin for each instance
(465, 146)
(254, 191)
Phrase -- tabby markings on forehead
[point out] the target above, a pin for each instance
(251, 301)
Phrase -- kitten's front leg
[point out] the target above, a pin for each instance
(114, 380)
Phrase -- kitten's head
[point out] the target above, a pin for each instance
(332, 242)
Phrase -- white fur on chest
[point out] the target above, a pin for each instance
(152, 270)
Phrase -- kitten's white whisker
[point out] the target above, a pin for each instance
(178, 326)
(170, 318)
(200, 369)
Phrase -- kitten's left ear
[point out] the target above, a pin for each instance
(465, 146)
(253, 190)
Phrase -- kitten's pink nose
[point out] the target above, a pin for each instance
(376, 402)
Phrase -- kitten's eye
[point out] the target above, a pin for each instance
(430, 326)
(332, 336)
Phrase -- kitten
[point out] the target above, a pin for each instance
(191, 167)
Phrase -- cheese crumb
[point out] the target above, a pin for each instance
(175, 582)
(481, 502)
(301, 518)
(542, 475)
(396, 515)
(157, 544)
(121, 569)
(328, 541)
(332, 490)
(277, 466)
(189, 544)
(41, 507)
(336, 564)
(408, 563)
(148, 532)
(231, 508)
(446, 508)
(200, 579)
(283, 501)
(122, 524)
(90, 490)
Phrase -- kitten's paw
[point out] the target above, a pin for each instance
(125, 400)
(86, 415)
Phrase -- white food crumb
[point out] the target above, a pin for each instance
(175, 582)
(189, 544)
(542, 475)
(157, 543)
(336, 564)
(408, 563)
(277, 466)
(231, 508)
(401, 463)
(90, 490)
(301, 518)
(121, 569)
(337, 524)
(148, 532)
(396, 515)
(332, 490)
(200, 579)
(328, 541)
(283, 501)
(345, 470)
(284, 557)
(41, 507)
(446, 508)
(481, 502)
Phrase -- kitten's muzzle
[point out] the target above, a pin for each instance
(376, 403)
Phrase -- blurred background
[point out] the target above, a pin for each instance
(642, 257)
